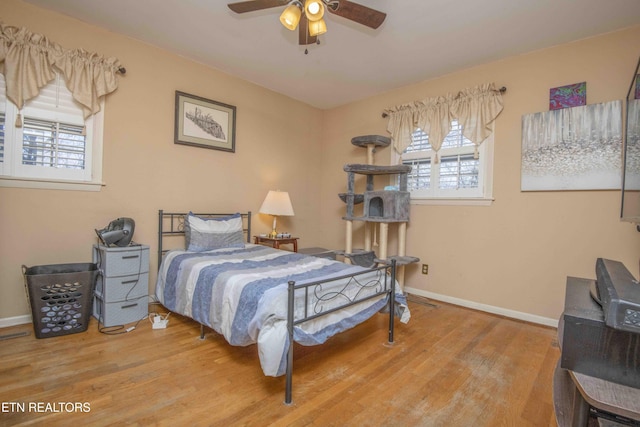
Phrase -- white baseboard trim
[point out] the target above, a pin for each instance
(13, 321)
(484, 307)
(20, 320)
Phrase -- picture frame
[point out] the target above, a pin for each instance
(202, 122)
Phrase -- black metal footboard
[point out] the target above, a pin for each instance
(352, 292)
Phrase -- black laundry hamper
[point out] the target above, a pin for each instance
(61, 297)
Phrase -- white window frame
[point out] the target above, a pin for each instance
(480, 196)
(14, 174)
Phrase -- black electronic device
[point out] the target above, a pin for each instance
(619, 294)
(119, 232)
(589, 346)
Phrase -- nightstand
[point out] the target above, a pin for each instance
(276, 242)
(123, 288)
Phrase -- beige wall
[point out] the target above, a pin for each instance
(145, 171)
(519, 251)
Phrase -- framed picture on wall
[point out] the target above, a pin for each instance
(204, 123)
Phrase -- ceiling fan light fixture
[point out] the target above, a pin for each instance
(317, 27)
(291, 15)
(314, 10)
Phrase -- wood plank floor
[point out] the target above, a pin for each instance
(449, 366)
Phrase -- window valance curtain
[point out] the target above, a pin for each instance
(29, 61)
(474, 108)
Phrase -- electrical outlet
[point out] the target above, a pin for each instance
(425, 268)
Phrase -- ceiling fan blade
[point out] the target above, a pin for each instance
(303, 32)
(358, 13)
(253, 5)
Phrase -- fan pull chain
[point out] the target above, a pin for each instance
(306, 51)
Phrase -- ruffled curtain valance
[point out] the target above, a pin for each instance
(475, 109)
(29, 61)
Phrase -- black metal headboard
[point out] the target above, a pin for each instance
(171, 225)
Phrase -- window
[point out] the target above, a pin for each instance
(54, 147)
(457, 175)
(2, 137)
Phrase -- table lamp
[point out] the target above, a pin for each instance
(276, 203)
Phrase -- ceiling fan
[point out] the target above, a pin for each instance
(308, 14)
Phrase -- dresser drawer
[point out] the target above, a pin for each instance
(115, 261)
(120, 313)
(123, 287)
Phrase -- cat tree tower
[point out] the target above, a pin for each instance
(380, 207)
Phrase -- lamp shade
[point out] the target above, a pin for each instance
(317, 27)
(291, 16)
(277, 203)
(314, 10)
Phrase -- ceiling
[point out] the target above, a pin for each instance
(419, 40)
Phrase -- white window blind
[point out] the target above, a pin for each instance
(49, 140)
(2, 137)
(3, 101)
(52, 144)
(450, 173)
(56, 102)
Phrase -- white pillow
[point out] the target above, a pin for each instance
(214, 233)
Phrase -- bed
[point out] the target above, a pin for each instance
(210, 272)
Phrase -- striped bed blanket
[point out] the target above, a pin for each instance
(241, 293)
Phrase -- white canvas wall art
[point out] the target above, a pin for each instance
(575, 148)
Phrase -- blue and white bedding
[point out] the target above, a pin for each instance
(241, 293)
